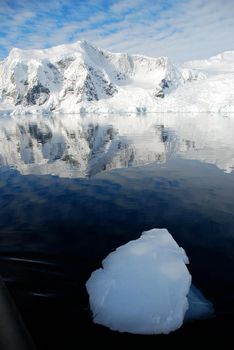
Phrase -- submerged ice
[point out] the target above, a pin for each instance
(143, 287)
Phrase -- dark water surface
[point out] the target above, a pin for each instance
(61, 213)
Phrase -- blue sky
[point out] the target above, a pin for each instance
(179, 29)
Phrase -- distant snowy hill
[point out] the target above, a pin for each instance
(80, 77)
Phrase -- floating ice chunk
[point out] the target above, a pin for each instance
(143, 286)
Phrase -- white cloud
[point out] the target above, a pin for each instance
(180, 29)
(123, 6)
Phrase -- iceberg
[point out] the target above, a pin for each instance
(143, 287)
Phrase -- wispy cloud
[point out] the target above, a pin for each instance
(177, 28)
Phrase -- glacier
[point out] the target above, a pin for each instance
(144, 287)
(80, 77)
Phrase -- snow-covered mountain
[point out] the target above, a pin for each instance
(80, 77)
(76, 146)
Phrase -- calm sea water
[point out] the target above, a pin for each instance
(72, 189)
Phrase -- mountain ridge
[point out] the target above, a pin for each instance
(80, 77)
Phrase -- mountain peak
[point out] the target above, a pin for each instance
(51, 52)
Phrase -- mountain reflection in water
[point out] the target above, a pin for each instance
(76, 146)
(168, 170)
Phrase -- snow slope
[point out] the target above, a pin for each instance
(143, 287)
(80, 77)
(215, 93)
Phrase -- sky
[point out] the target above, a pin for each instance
(180, 29)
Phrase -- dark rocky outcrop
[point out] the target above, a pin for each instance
(37, 95)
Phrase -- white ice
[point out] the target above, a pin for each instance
(143, 286)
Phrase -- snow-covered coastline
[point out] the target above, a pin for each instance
(79, 77)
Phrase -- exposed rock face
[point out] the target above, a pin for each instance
(38, 94)
(159, 93)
